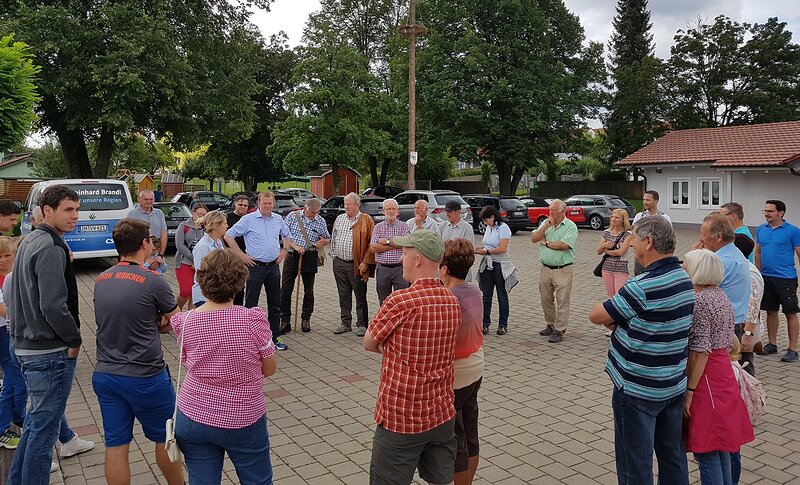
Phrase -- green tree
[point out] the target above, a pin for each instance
(636, 109)
(329, 108)
(180, 70)
(48, 161)
(506, 81)
(201, 166)
(729, 73)
(17, 91)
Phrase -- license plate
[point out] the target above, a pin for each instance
(519, 213)
(94, 228)
(574, 213)
(170, 231)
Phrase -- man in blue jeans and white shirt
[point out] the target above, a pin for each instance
(44, 331)
(650, 318)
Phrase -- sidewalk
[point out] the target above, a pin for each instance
(545, 408)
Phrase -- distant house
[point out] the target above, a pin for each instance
(696, 171)
(15, 165)
(171, 184)
(322, 181)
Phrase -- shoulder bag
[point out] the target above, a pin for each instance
(171, 444)
(598, 270)
(309, 267)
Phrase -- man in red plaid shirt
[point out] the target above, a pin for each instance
(415, 330)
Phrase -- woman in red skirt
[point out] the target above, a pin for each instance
(716, 420)
(187, 235)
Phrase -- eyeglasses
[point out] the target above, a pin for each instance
(768, 211)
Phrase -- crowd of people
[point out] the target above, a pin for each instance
(673, 328)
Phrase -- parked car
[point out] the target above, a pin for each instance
(370, 205)
(227, 206)
(302, 195)
(597, 208)
(539, 210)
(514, 212)
(174, 213)
(436, 201)
(212, 200)
(385, 191)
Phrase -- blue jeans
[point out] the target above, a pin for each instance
(736, 467)
(14, 395)
(49, 379)
(204, 449)
(641, 426)
(715, 467)
(488, 281)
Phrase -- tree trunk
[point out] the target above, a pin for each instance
(250, 184)
(104, 150)
(504, 174)
(211, 184)
(73, 144)
(373, 171)
(518, 173)
(385, 170)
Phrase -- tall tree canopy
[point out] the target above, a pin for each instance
(635, 114)
(182, 70)
(506, 81)
(728, 73)
(17, 91)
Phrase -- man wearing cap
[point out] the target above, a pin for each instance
(454, 227)
(415, 331)
(389, 269)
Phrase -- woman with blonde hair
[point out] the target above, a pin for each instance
(716, 420)
(214, 224)
(614, 245)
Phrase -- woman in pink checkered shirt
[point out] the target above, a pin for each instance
(227, 351)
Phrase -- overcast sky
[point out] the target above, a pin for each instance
(667, 16)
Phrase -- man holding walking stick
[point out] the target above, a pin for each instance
(308, 230)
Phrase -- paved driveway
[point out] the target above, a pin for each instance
(545, 408)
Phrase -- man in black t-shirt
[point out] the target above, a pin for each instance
(131, 379)
(241, 204)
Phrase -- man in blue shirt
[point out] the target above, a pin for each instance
(262, 231)
(650, 318)
(717, 234)
(777, 242)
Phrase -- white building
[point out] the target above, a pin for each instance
(696, 171)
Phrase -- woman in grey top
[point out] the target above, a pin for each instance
(187, 235)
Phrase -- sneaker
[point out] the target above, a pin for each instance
(486, 330)
(341, 329)
(360, 331)
(74, 446)
(548, 330)
(9, 440)
(305, 325)
(791, 356)
(286, 327)
(769, 349)
(501, 330)
(556, 337)
(280, 344)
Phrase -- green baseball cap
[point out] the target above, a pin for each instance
(427, 242)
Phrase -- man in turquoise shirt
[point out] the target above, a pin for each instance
(735, 214)
(556, 238)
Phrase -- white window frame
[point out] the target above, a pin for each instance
(680, 180)
(710, 181)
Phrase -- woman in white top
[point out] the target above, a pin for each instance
(214, 224)
(496, 269)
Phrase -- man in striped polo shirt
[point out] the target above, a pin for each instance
(650, 317)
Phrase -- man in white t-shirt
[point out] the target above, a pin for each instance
(650, 203)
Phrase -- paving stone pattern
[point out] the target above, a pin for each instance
(545, 408)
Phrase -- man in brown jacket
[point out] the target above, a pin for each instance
(352, 262)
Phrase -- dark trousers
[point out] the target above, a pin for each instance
(747, 357)
(288, 278)
(488, 281)
(269, 276)
(348, 283)
(238, 298)
(387, 280)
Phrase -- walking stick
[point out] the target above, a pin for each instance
(297, 293)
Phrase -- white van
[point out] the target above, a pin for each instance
(103, 203)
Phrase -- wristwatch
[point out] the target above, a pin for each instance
(748, 333)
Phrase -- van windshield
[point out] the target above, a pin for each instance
(97, 197)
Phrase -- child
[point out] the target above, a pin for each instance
(14, 394)
(155, 262)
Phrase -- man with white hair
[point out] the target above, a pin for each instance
(389, 267)
(421, 219)
(557, 237)
(144, 211)
(352, 262)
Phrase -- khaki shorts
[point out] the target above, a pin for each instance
(396, 456)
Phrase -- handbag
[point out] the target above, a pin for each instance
(171, 444)
(320, 260)
(598, 270)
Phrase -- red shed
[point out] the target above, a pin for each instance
(322, 181)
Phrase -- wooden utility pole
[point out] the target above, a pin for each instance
(412, 31)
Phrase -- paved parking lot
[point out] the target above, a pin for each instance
(545, 408)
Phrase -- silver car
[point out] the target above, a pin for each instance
(302, 195)
(436, 201)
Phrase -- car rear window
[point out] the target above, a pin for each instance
(371, 206)
(619, 202)
(442, 199)
(98, 197)
(511, 204)
(283, 203)
(175, 211)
